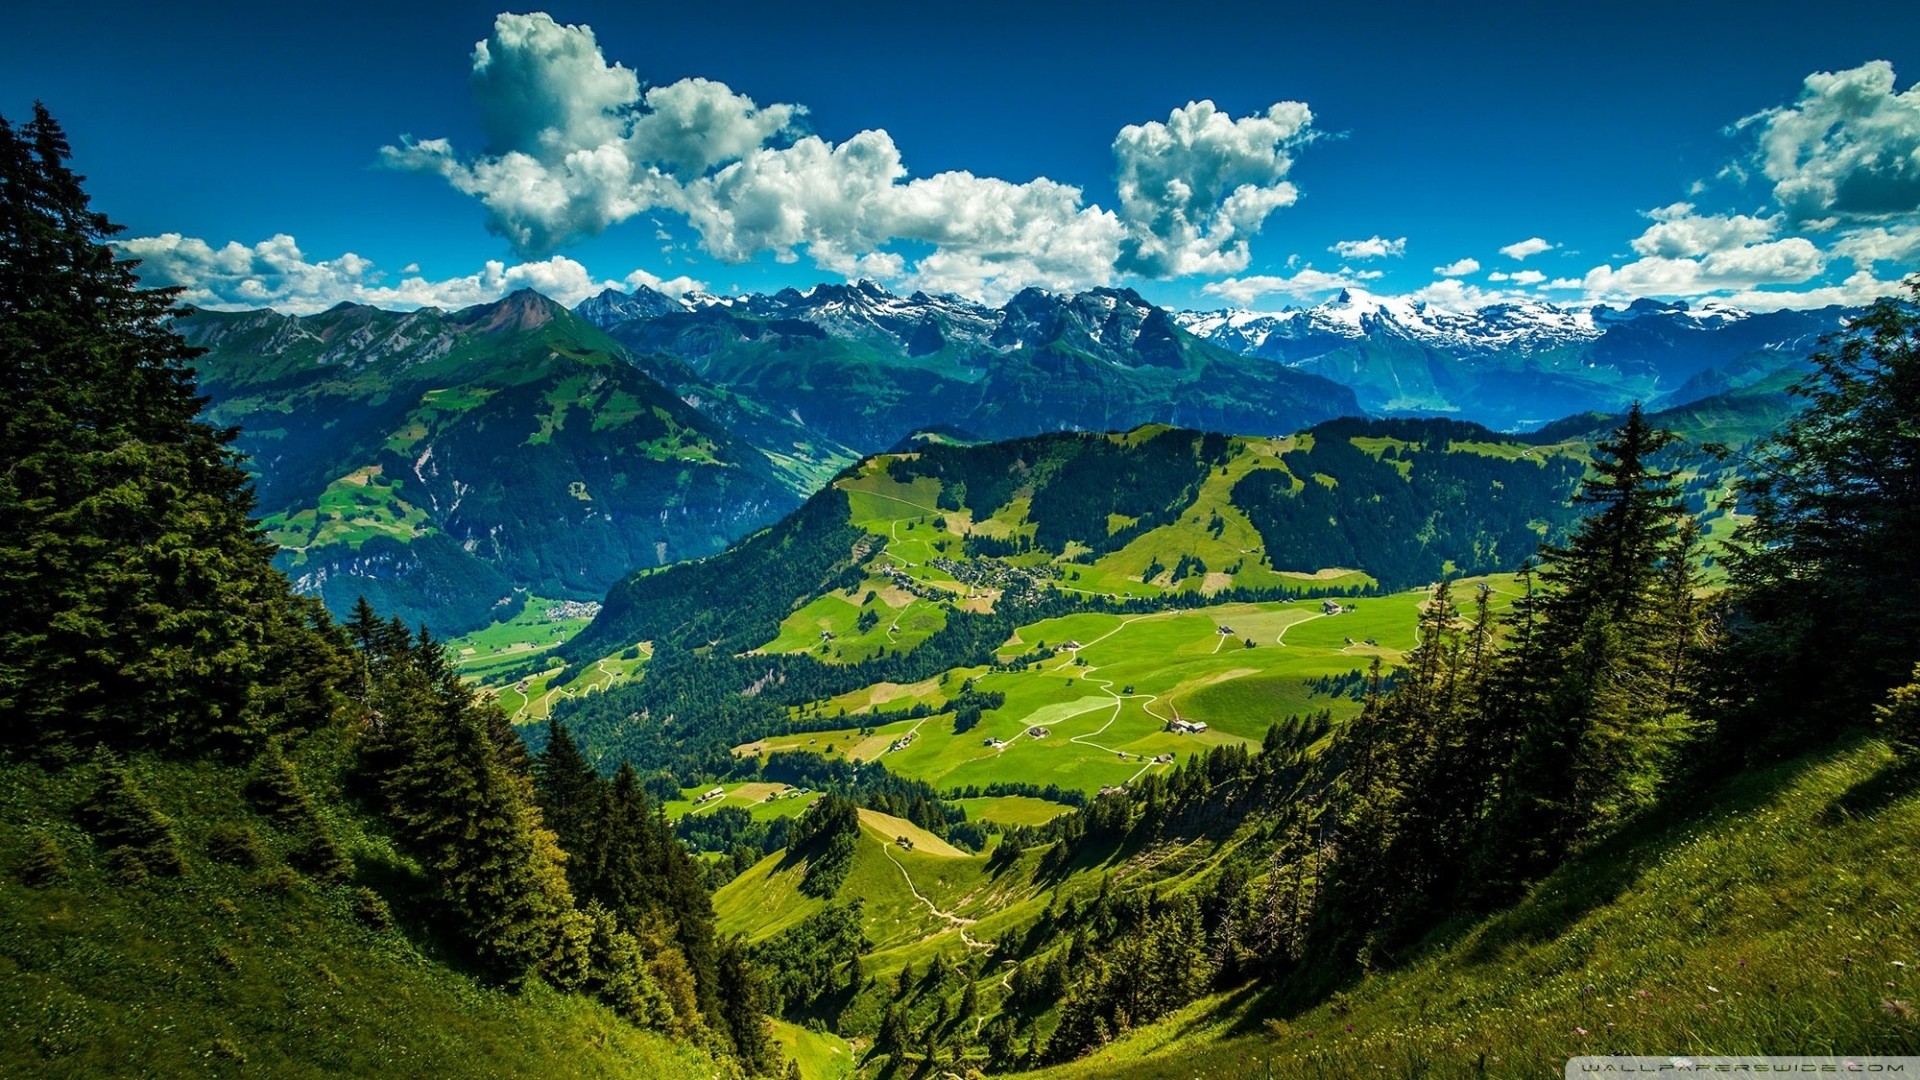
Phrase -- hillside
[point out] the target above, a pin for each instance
(239, 838)
(937, 564)
(247, 966)
(1776, 915)
(447, 465)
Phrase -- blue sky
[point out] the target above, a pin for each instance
(1761, 154)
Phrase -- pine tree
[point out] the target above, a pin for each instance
(464, 817)
(572, 798)
(1826, 605)
(1588, 749)
(142, 604)
(1900, 718)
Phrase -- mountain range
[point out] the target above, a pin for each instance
(452, 465)
(1521, 364)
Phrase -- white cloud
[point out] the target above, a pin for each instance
(1848, 150)
(1374, 247)
(1458, 268)
(1790, 261)
(1194, 188)
(1860, 288)
(1533, 245)
(1305, 284)
(1899, 245)
(1453, 294)
(1677, 232)
(276, 273)
(575, 147)
(1518, 277)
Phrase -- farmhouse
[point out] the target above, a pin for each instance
(1038, 732)
(1070, 646)
(716, 793)
(993, 742)
(1187, 727)
(1113, 789)
(1225, 630)
(1331, 607)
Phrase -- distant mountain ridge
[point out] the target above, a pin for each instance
(445, 463)
(1518, 365)
(863, 367)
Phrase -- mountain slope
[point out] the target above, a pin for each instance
(248, 970)
(440, 462)
(925, 565)
(1517, 365)
(866, 368)
(1776, 917)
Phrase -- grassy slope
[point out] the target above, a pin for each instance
(1100, 733)
(217, 973)
(1782, 917)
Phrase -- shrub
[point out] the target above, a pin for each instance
(1899, 718)
(371, 908)
(139, 839)
(235, 844)
(44, 865)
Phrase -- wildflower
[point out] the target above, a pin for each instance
(1897, 1008)
(1580, 1031)
(1899, 963)
(1712, 989)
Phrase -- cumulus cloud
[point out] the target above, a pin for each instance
(1533, 245)
(1858, 289)
(1374, 247)
(1518, 277)
(1458, 268)
(1788, 261)
(1452, 294)
(575, 147)
(1194, 188)
(1847, 150)
(1678, 232)
(276, 273)
(1899, 245)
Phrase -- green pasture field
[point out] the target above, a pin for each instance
(1106, 706)
(765, 801)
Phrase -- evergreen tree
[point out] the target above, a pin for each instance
(1590, 737)
(571, 800)
(142, 604)
(1826, 605)
(464, 817)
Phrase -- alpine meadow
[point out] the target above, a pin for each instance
(688, 581)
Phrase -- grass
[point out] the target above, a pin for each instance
(1012, 809)
(1782, 917)
(821, 1055)
(353, 509)
(764, 801)
(221, 972)
(500, 644)
(1107, 719)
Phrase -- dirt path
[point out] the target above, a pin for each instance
(960, 922)
(1282, 638)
